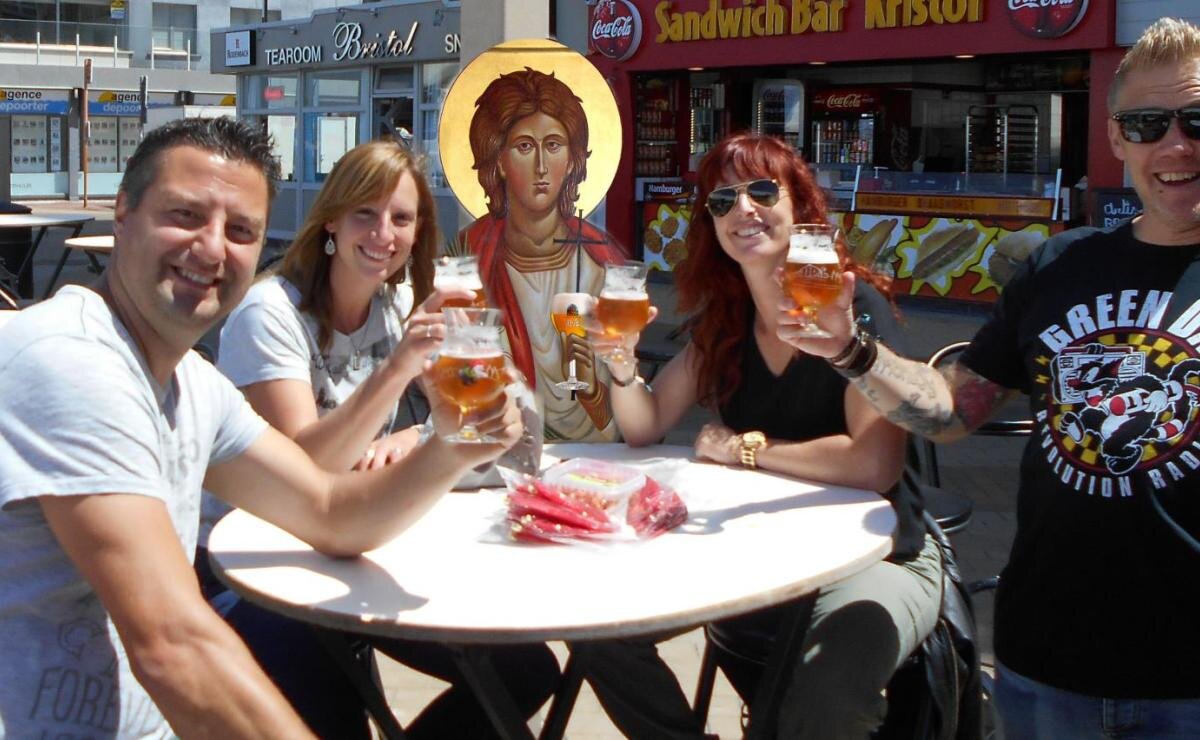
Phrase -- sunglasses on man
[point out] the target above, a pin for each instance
(763, 192)
(1148, 125)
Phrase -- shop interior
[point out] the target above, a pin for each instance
(987, 116)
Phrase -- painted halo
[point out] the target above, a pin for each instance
(546, 56)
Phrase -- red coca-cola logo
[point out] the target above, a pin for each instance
(1046, 19)
(616, 29)
(853, 100)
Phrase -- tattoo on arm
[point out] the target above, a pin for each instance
(975, 397)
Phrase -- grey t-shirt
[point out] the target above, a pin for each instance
(80, 414)
(268, 338)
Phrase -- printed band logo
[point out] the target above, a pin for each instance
(616, 29)
(1121, 403)
(1046, 19)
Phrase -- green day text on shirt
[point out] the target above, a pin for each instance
(1119, 395)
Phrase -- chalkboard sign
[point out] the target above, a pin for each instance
(1110, 207)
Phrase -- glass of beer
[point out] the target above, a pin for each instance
(461, 272)
(567, 311)
(469, 369)
(623, 307)
(813, 273)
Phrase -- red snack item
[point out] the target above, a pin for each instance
(529, 528)
(539, 507)
(585, 503)
(654, 510)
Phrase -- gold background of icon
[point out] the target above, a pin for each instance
(543, 55)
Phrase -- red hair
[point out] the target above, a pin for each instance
(711, 287)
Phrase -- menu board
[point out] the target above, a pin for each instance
(28, 144)
(102, 147)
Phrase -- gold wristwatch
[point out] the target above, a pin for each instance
(752, 442)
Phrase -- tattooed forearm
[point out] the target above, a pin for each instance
(919, 420)
(975, 398)
(909, 394)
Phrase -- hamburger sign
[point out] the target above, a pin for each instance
(615, 29)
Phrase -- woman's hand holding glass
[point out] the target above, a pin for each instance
(618, 351)
(471, 371)
(835, 320)
(423, 332)
(622, 310)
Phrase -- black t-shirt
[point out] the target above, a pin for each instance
(808, 401)
(1099, 595)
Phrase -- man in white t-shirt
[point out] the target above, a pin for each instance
(109, 426)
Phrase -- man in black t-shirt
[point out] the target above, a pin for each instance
(1096, 616)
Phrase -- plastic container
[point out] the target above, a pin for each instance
(612, 482)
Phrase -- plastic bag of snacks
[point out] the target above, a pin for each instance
(590, 500)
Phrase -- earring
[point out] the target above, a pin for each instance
(330, 247)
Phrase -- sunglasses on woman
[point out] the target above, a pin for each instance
(763, 192)
(1148, 125)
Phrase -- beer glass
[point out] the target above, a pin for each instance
(469, 369)
(623, 307)
(460, 272)
(813, 273)
(567, 312)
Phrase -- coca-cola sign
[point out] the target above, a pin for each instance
(845, 101)
(616, 29)
(1046, 19)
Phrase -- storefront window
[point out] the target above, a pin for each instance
(283, 142)
(436, 79)
(328, 136)
(333, 88)
(104, 146)
(429, 146)
(37, 163)
(394, 79)
(272, 91)
(174, 26)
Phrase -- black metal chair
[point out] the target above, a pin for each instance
(951, 510)
(934, 694)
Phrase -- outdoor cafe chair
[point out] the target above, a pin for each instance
(935, 694)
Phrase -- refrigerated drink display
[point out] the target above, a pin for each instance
(707, 124)
(779, 109)
(844, 141)
(655, 129)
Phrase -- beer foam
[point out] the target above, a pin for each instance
(624, 294)
(813, 249)
(469, 353)
(451, 282)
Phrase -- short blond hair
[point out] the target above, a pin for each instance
(1166, 41)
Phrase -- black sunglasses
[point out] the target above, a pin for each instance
(763, 192)
(1148, 125)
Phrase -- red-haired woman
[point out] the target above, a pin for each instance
(814, 426)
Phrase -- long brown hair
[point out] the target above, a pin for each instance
(508, 99)
(366, 173)
(711, 287)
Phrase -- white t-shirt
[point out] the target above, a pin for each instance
(80, 414)
(268, 338)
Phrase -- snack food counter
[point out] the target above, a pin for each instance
(950, 235)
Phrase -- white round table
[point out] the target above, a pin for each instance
(752, 539)
(42, 222)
